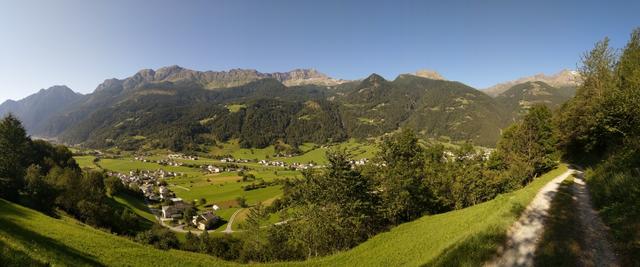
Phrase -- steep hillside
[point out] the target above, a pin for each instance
(463, 237)
(66, 242)
(37, 109)
(519, 98)
(562, 79)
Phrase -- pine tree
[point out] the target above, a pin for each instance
(14, 148)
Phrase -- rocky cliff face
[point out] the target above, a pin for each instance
(564, 78)
(217, 79)
(429, 74)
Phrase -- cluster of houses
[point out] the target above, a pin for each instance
(163, 162)
(218, 169)
(359, 162)
(273, 163)
(484, 154)
(232, 160)
(147, 181)
(182, 156)
(292, 166)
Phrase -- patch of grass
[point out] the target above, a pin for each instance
(233, 108)
(561, 243)
(136, 205)
(67, 242)
(86, 162)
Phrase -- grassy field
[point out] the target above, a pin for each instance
(465, 237)
(310, 152)
(86, 162)
(221, 189)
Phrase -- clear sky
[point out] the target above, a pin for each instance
(80, 43)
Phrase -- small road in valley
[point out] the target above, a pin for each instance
(229, 230)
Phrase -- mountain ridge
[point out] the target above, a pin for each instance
(563, 78)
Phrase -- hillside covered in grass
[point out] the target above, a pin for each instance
(468, 236)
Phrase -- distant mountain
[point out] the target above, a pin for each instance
(181, 109)
(562, 79)
(520, 97)
(37, 109)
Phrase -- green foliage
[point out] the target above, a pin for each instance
(14, 157)
(400, 176)
(615, 188)
(527, 148)
(581, 122)
(334, 209)
(159, 237)
(53, 179)
(601, 126)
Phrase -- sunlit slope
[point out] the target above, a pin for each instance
(463, 237)
(65, 242)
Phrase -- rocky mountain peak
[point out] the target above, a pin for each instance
(429, 74)
(564, 78)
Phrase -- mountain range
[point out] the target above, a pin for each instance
(178, 108)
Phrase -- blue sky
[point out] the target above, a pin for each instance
(81, 43)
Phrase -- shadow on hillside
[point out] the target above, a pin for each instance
(33, 240)
(473, 251)
(10, 257)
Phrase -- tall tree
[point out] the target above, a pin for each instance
(401, 174)
(528, 147)
(14, 148)
(581, 122)
(335, 208)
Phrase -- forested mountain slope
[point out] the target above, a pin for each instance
(182, 109)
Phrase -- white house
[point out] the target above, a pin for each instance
(202, 220)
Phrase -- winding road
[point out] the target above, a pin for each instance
(229, 230)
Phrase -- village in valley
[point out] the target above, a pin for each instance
(194, 193)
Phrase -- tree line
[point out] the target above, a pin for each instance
(600, 129)
(45, 177)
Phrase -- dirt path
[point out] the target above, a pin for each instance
(229, 230)
(598, 251)
(523, 236)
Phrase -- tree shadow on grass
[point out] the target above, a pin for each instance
(10, 257)
(33, 240)
(473, 251)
